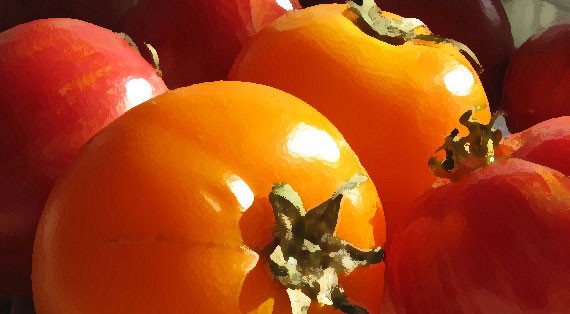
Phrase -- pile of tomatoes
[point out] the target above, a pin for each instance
(281, 157)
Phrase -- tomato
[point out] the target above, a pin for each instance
(171, 209)
(392, 99)
(62, 81)
(492, 241)
(536, 82)
(198, 40)
(492, 42)
(546, 143)
(108, 14)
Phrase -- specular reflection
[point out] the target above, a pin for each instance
(459, 81)
(139, 90)
(310, 142)
(241, 191)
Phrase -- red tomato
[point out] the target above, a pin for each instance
(537, 79)
(62, 81)
(198, 40)
(546, 143)
(494, 241)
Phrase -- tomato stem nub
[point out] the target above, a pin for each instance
(467, 154)
(399, 30)
(309, 258)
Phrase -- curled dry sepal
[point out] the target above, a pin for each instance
(398, 30)
(470, 153)
(151, 49)
(309, 258)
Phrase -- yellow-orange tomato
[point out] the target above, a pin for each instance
(167, 210)
(393, 103)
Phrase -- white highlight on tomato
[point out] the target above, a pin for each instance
(139, 90)
(285, 4)
(215, 205)
(241, 191)
(310, 142)
(459, 81)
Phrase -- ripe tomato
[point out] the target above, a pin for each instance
(492, 42)
(62, 81)
(536, 82)
(198, 40)
(494, 241)
(546, 143)
(167, 209)
(393, 101)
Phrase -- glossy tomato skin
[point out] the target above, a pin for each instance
(537, 81)
(546, 143)
(62, 81)
(493, 242)
(482, 25)
(492, 42)
(166, 209)
(197, 41)
(391, 102)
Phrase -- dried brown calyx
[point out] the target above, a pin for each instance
(397, 30)
(308, 257)
(470, 153)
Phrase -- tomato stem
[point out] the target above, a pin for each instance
(308, 257)
(467, 154)
(399, 30)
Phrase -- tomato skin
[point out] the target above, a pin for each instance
(62, 80)
(493, 242)
(546, 143)
(167, 208)
(203, 37)
(391, 102)
(492, 43)
(536, 82)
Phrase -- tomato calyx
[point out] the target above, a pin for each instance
(470, 153)
(308, 257)
(399, 30)
(151, 49)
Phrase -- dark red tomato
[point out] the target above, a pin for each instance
(108, 13)
(197, 41)
(62, 81)
(538, 79)
(495, 240)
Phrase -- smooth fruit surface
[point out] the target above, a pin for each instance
(62, 81)
(492, 42)
(494, 242)
(166, 210)
(197, 41)
(538, 78)
(546, 143)
(393, 103)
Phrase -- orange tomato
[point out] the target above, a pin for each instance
(393, 102)
(167, 209)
